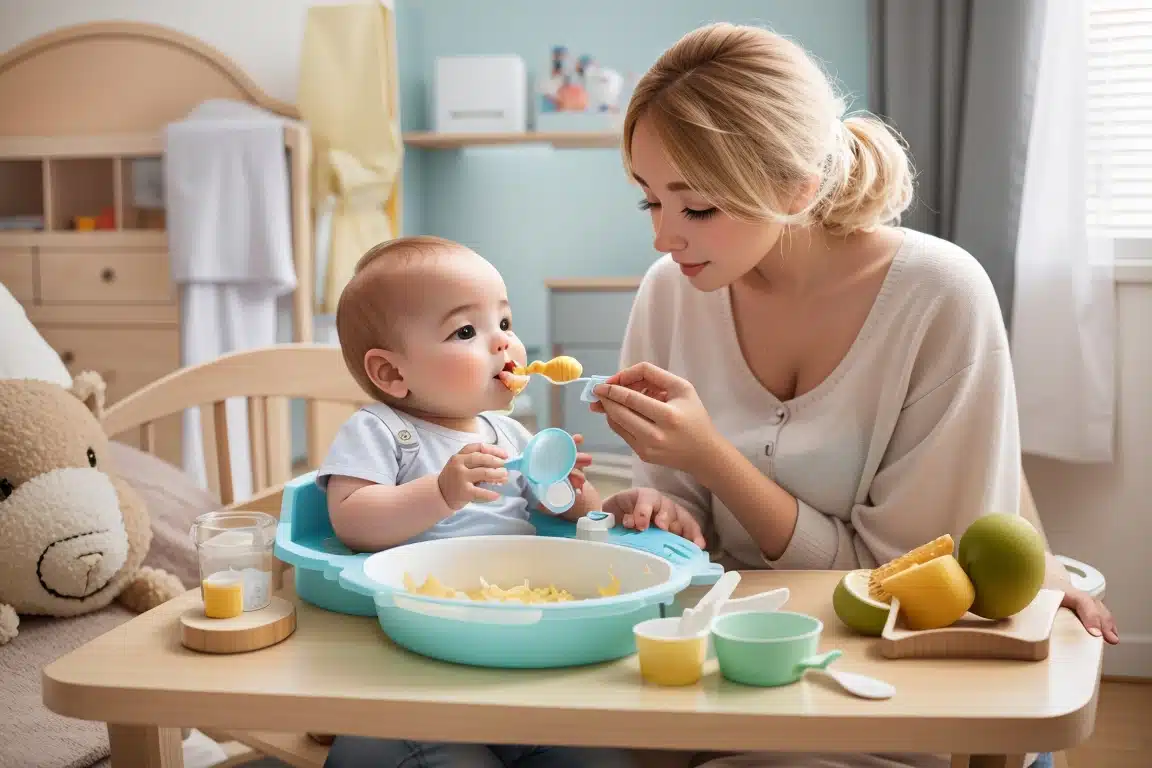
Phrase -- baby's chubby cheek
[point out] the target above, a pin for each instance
(465, 373)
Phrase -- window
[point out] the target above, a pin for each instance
(1120, 117)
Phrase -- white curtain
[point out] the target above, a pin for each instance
(1063, 326)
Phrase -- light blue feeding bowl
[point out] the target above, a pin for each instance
(652, 567)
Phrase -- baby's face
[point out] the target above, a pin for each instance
(457, 337)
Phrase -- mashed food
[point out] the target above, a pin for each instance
(523, 593)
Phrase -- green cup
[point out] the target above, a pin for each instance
(768, 648)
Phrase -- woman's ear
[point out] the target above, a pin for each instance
(384, 370)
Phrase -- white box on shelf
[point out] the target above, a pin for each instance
(480, 94)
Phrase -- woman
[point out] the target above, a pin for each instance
(851, 390)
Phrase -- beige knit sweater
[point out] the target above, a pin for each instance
(912, 436)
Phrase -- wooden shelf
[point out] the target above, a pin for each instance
(559, 139)
(59, 179)
(111, 238)
(100, 145)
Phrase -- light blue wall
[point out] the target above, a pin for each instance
(538, 213)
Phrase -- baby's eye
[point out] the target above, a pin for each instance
(505, 324)
(465, 333)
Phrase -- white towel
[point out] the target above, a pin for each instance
(230, 246)
(226, 191)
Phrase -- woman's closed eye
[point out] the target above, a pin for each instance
(689, 213)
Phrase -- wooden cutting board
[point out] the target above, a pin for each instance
(1023, 636)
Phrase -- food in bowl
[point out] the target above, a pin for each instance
(524, 592)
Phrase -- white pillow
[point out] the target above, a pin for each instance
(23, 352)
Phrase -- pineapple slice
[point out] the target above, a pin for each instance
(924, 553)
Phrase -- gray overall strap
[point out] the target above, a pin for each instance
(500, 431)
(405, 436)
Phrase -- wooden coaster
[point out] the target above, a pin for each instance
(1023, 636)
(249, 631)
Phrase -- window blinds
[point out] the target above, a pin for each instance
(1120, 117)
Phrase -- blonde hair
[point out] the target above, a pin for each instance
(748, 119)
(365, 315)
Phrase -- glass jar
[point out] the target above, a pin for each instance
(238, 547)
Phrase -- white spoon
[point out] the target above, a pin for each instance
(859, 685)
(693, 620)
(772, 600)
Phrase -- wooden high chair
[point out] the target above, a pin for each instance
(266, 378)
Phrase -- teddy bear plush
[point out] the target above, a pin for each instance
(73, 535)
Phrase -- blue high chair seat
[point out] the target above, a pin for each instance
(305, 540)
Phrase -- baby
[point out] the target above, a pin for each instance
(426, 330)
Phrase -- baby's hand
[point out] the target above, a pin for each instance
(638, 507)
(476, 463)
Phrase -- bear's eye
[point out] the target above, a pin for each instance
(6, 488)
(91, 457)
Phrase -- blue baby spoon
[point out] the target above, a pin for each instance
(545, 463)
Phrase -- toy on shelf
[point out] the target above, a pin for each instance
(239, 612)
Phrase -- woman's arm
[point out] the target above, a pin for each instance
(953, 455)
(647, 339)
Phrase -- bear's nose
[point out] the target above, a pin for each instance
(92, 559)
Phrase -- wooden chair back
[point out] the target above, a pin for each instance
(267, 379)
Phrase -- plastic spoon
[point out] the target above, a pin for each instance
(859, 685)
(695, 619)
(589, 382)
(772, 600)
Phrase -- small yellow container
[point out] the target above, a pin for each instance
(666, 658)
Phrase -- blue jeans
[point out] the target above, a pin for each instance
(360, 752)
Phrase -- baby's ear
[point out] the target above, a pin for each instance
(385, 370)
(88, 388)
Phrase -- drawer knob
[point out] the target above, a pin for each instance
(108, 274)
(67, 357)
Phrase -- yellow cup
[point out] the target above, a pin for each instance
(666, 658)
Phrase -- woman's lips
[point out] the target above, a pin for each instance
(691, 270)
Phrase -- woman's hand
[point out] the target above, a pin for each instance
(1093, 614)
(637, 508)
(658, 414)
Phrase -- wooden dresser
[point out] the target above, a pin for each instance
(102, 299)
(83, 113)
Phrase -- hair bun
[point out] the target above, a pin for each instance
(875, 180)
